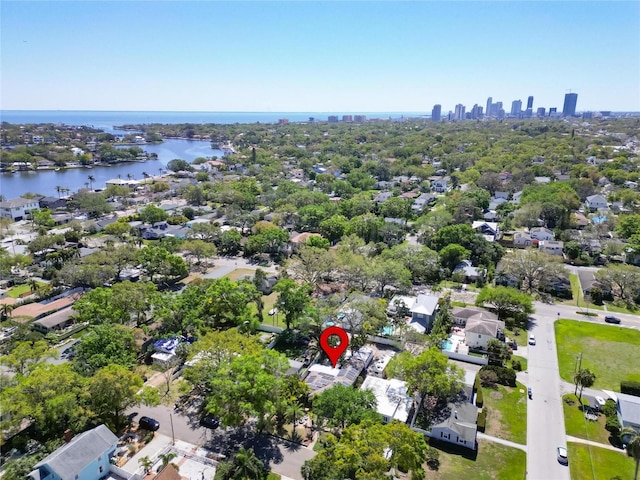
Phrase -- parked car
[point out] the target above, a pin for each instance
(530, 392)
(532, 339)
(210, 421)
(562, 455)
(148, 423)
(611, 319)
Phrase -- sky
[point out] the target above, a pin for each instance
(330, 56)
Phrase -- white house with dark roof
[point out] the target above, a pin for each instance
(597, 203)
(18, 208)
(84, 457)
(458, 424)
(478, 332)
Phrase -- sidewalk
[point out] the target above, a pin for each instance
(594, 444)
(503, 442)
(151, 450)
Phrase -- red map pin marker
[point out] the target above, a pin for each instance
(334, 352)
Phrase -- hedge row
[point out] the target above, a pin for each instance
(630, 388)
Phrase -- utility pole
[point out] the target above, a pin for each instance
(173, 436)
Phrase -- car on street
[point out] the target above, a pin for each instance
(611, 319)
(210, 421)
(562, 455)
(530, 392)
(148, 423)
(532, 339)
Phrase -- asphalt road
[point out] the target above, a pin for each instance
(545, 418)
(284, 457)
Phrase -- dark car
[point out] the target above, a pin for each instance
(149, 423)
(210, 421)
(611, 319)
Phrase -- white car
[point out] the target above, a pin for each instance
(532, 339)
(562, 455)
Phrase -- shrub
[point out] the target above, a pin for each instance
(488, 378)
(482, 420)
(516, 365)
(613, 425)
(433, 458)
(479, 398)
(610, 408)
(505, 376)
(630, 388)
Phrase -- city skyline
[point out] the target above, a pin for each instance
(316, 56)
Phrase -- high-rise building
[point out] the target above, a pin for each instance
(436, 112)
(516, 107)
(530, 102)
(459, 112)
(553, 111)
(476, 112)
(570, 102)
(359, 118)
(332, 119)
(489, 104)
(347, 118)
(540, 112)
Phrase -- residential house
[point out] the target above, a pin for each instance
(541, 233)
(322, 377)
(542, 180)
(489, 230)
(422, 309)
(471, 273)
(580, 220)
(463, 314)
(422, 201)
(503, 195)
(596, 203)
(56, 321)
(459, 421)
(628, 408)
(52, 203)
(423, 312)
(516, 197)
(495, 202)
(392, 400)
(553, 247)
(18, 208)
(522, 240)
(382, 197)
(298, 240)
(478, 332)
(440, 185)
(84, 457)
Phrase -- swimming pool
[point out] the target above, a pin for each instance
(447, 345)
(387, 330)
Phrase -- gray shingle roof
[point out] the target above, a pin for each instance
(73, 457)
(629, 407)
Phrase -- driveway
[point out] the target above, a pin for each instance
(285, 458)
(545, 417)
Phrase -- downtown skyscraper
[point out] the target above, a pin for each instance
(436, 113)
(570, 102)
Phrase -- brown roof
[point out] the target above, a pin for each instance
(37, 310)
(303, 237)
(168, 473)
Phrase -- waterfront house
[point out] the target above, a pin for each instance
(18, 208)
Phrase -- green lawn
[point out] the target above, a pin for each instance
(521, 339)
(578, 426)
(239, 273)
(523, 361)
(598, 463)
(618, 309)
(578, 299)
(507, 412)
(610, 352)
(15, 292)
(493, 462)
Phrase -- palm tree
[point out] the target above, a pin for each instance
(293, 412)
(585, 378)
(631, 438)
(58, 189)
(91, 179)
(5, 310)
(146, 463)
(166, 459)
(247, 465)
(129, 176)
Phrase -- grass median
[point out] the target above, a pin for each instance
(610, 352)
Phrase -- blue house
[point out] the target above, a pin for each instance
(84, 457)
